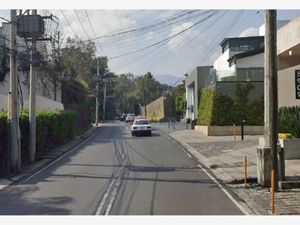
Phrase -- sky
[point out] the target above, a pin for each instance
(181, 39)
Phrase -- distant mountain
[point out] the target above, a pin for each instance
(168, 79)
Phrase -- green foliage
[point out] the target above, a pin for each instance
(179, 104)
(219, 109)
(229, 78)
(129, 91)
(3, 140)
(3, 65)
(289, 120)
(206, 106)
(52, 128)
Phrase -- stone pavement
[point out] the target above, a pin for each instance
(225, 158)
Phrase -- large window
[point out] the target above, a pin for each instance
(243, 45)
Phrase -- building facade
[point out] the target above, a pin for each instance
(197, 79)
(288, 48)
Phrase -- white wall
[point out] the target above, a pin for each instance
(286, 87)
(190, 102)
(251, 61)
(44, 92)
(42, 103)
(221, 66)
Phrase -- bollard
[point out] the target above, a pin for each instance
(234, 132)
(273, 191)
(245, 171)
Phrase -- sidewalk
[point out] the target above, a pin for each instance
(225, 158)
(48, 157)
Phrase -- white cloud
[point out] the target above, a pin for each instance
(180, 38)
(251, 31)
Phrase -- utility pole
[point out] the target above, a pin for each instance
(13, 115)
(144, 93)
(32, 99)
(97, 97)
(104, 98)
(267, 149)
(271, 89)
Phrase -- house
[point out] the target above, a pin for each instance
(288, 51)
(242, 59)
(200, 77)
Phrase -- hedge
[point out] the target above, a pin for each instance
(289, 120)
(53, 128)
(221, 110)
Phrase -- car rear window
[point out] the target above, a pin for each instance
(141, 122)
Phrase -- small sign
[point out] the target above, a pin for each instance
(297, 82)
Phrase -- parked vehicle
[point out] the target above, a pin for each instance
(130, 118)
(141, 126)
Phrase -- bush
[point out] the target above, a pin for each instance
(52, 128)
(3, 141)
(221, 110)
(289, 120)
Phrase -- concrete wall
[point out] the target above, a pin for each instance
(286, 87)
(197, 79)
(42, 103)
(161, 108)
(229, 130)
(251, 61)
(288, 35)
(44, 91)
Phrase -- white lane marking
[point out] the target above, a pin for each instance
(223, 189)
(59, 158)
(102, 203)
(113, 196)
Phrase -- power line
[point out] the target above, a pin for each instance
(69, 24)
(145, 27)
(89, 39)
(87, 15)
(222, 34)
(186, 41)
(155, 58)
(164, 29)
(164, 40)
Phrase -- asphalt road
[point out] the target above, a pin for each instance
(113, 173)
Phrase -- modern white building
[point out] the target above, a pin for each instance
(288, 51)
(242, 59)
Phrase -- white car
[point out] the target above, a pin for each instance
(141, 126)
(130, 118)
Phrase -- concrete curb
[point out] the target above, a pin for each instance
(57, 152)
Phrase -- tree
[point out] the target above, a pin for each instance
(78, 60)
(3, 64)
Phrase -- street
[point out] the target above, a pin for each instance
(114, 173)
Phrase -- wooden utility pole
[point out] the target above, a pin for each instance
(13, 115)
(271, 89)
(97, 97)
(104, 99)
(144, 93)
(32, 98)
